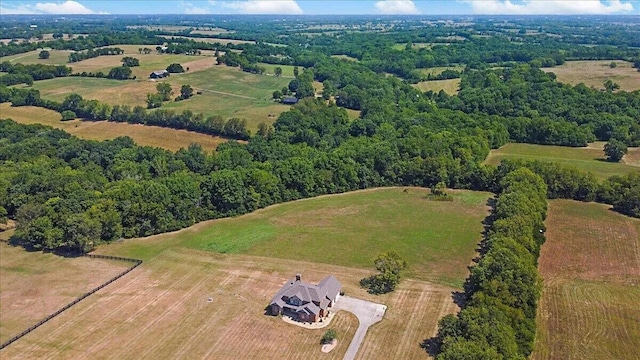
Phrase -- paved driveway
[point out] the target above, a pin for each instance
(367, 312)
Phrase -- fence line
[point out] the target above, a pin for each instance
(77, 300)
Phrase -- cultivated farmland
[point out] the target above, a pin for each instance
(165, 138)
(590, 264)
(34, 285)
(595, 73)
(590, 158)
(161, 310)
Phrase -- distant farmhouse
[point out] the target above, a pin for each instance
(290, 101)
(159, 74)
(304, 301)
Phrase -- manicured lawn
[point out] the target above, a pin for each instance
(590, 158)
(438, 239)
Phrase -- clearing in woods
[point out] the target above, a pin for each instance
(144, 135)
(34, 285)
(450, 86)
(590, 158)
(595, 73)
(590, 265)
(162, 310)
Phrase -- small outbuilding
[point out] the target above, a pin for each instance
(159, 74)
(290, 101)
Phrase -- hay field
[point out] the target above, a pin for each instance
(161, 311)
(595, 73)
(165, 138)
(590, 263)
(438, 239)
(450, 86)
(34, 285)
(439, 69)
(590, 158)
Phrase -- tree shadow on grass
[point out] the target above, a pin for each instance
(431, 346)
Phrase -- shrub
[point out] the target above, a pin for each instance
(68, 115)
(328, 336)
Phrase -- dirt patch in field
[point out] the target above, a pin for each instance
(161, 310)
(34, 285)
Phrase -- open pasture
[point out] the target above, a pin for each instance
(590, 158)
(165, 138)
(34, 285)
(439, 69)
(590, 265)
(437, 239)
(450, 86)
(226, 91)
(595, 73)
(56, 57)
(210, 40)
(162, 310)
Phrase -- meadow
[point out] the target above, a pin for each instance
(438, 239)
(590, 158)
(595, 73)
(590, 266)
(225, 91)
(450, 86)
(165, 138)
(34, 285)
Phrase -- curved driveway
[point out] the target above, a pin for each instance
(367, 312)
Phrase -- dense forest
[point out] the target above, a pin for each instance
(69, 195)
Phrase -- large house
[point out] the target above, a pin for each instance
(304, 301)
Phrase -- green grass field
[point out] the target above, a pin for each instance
(438, 239)
(450, 86)
(226, 91)
(56, 57)
(590, 158)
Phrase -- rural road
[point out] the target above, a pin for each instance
(367, 312)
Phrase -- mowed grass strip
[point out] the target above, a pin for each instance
(596, 72)
(165, 138)
(590, 158)
(438, 239)
(162, 310)
(590, 265)
(34, 285)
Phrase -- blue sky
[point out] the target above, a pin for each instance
(313, 7)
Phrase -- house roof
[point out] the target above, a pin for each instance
(290, 100)
(160, 72)
(314, 297)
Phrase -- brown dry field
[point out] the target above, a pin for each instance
(165, 138)
(34, 285)
(595, 73)
(590, 265)
(160, 311)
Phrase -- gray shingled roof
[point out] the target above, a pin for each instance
(309, 293)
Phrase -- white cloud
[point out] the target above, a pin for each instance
(550, 7)
(399, 7)
(191, 9)
(67, 7)
(288, 7)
